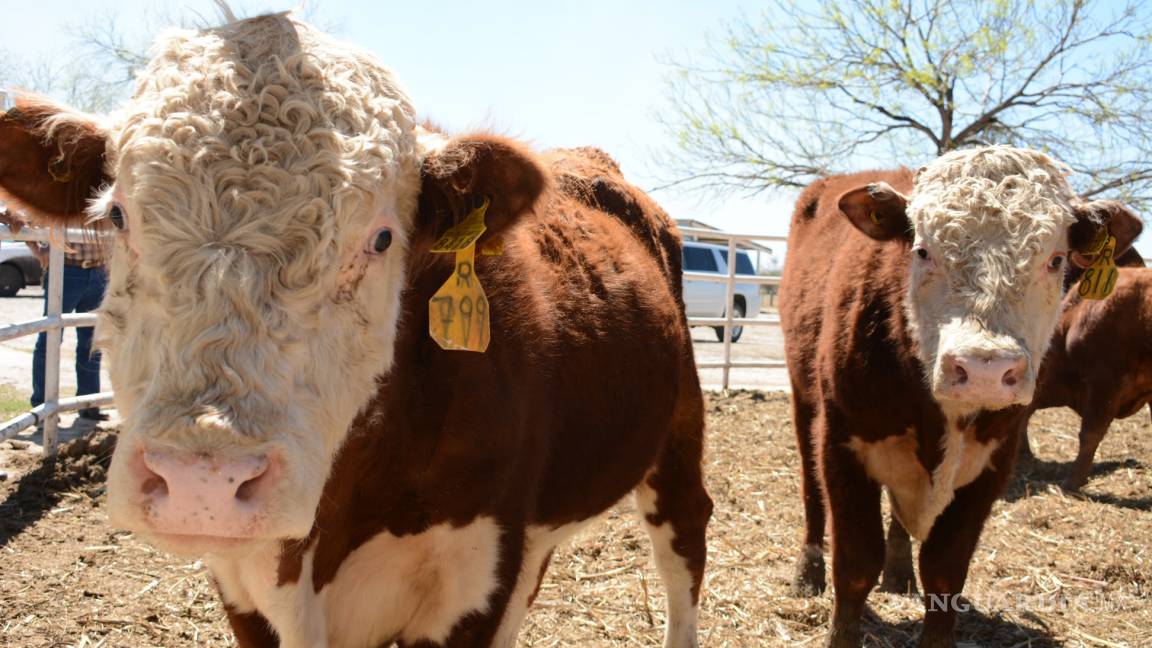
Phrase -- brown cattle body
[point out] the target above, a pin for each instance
(587, 391)
(866, 408)
(1100, 363)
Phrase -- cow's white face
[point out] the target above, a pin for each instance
(986, 273)
(267, 179)
(988, 232)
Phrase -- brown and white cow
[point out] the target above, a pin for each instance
(286, 412)
(1100, 362)
(916, 309)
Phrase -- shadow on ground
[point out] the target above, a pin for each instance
(81, 463)
(973, 628)
(1035, 475)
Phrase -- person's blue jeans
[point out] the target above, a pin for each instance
(83, 291)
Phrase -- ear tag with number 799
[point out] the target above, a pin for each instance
(458, 312)
(1100, 278)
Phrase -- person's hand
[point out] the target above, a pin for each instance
(41, 253)
(8, 218)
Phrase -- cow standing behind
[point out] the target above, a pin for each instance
(915, 311)
(1099, 363)
(286, 412)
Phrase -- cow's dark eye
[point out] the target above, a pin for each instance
(116, 215)
(382, 241)
(922, 253)
(1056, 263)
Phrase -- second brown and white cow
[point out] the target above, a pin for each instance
(916, 309)
(1099, 363)
(287, 412)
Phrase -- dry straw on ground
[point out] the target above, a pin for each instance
(1052, 569)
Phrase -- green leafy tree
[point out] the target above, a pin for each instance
(807, 89)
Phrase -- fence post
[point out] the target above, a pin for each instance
(54, 299)
(729, 302)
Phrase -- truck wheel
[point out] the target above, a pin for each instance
(737, 331)
(11, 280)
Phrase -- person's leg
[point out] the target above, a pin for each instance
(38, 355)
(88, 361)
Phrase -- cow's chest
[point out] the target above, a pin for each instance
(920, 496)
(413, 587)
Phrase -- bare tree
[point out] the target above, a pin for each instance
(804, 91)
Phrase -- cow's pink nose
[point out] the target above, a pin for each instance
(186, 494)
(993, 380)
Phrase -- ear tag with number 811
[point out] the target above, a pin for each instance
(1100, 278)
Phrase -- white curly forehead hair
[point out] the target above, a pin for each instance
(989, 212)
(310, 120)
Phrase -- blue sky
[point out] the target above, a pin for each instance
(556, 73)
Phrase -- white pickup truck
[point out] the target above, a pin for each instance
(706, 298)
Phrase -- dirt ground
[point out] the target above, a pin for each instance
(1052, 569)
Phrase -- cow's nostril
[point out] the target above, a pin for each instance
(151, 481)
(1015, 373)
(154, 485)
(247, 490)
(954, 371)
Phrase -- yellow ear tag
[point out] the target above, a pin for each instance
(1100, 278)
(875, 219)
(458, 312)
(466, 233)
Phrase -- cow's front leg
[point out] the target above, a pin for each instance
(946, 554)
(809, 578)
(675, 509)
(857, 540)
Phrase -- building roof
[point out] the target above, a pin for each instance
(744, 245)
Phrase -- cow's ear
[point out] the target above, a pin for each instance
(877, 210)
(51, 161)
(460, 175)
(1094, 221)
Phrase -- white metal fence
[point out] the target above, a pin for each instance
(54, 322)
(730, 280)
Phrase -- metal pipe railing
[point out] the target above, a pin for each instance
(744, 278)
(709, 233)
(32, 327)
(53, 322)
(730, 281)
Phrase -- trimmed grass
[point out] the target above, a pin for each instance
(13, 401)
